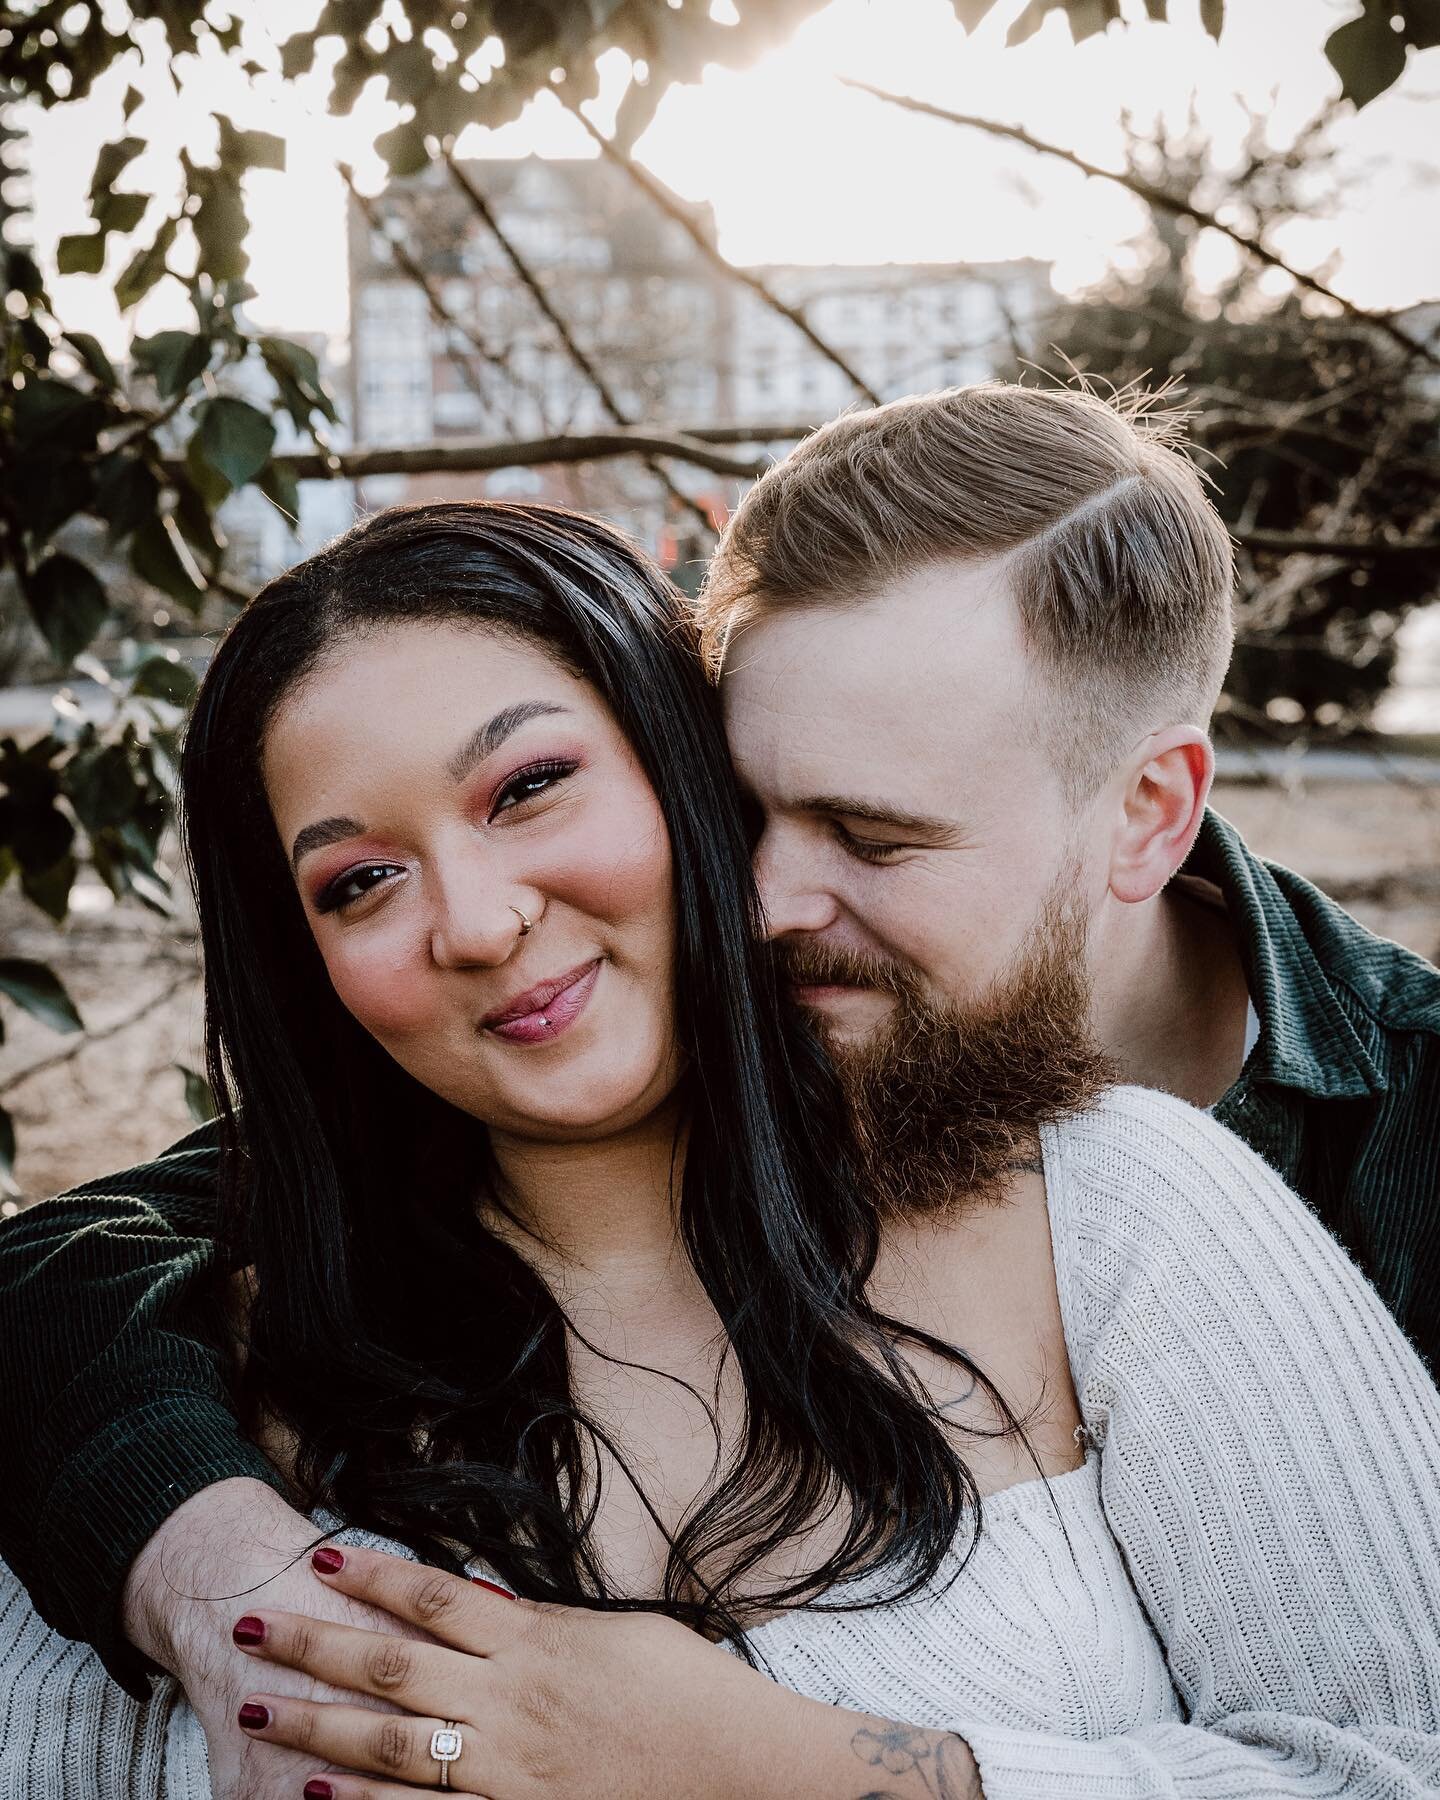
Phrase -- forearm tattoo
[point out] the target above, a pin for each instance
(936, 1764)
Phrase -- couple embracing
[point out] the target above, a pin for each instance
(783, 1143)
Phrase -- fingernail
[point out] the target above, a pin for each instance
(327, 1562)
(253, 1716)
(249, 1630)
(316, 1789)
(494, 1587)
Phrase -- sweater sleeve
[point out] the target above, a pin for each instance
(1270, 1467)
(115, 1407)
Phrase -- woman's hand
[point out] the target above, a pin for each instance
(548, 1700)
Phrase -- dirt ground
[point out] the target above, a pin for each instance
(85, 1106)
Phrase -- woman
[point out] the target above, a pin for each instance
(561, 1273)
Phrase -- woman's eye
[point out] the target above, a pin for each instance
(866, 849)
(526, 784)
(353, 885)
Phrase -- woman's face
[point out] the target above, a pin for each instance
(433, 783)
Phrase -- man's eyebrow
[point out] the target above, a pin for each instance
(323, 832)
(848, 806)
(493, 733)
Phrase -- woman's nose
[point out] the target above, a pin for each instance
(477, 919)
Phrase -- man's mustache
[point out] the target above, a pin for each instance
(822, 965)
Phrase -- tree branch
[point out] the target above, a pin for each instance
(1285, 543)
(645, 180)
(85, 1039)
(473, 455)
(1162, 202)
(581, 360)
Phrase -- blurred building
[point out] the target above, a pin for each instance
(677, 340)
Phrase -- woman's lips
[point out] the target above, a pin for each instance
(550, 1008)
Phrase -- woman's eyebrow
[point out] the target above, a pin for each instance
(481, 743)
(493, 733)
(324, 831)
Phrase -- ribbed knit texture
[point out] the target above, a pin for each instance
(1236, 1597)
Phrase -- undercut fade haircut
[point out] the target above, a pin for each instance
(1121, 568)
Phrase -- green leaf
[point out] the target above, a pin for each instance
(210, 486)
(199, 522)
(164, 677)
(111, 163)
(199, 1101)
(145, 268)
(49, 889)
(40, 992)
(278, 484)
(82, 253)
(159, 555)
(68, 604)
(1422, 23)
(23, 274)
(127, 491)
(133, 98)
(174, 359)
(1212, 16)
(220, 224)
(121, 212)
(102, 787)
(237, 438)
(404, 149)
(46, 492)
(1367, 55)
(8, 1183)
(92, 353)
(53, 412)
(249, 149)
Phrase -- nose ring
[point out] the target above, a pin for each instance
(526, 925)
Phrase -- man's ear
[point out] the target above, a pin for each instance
(1163, 803)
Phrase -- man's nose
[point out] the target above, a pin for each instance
(478, 914)
(794, 897)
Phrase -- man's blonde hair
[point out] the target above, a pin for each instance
(1120, 566)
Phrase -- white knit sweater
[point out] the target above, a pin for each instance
(1236, 1597)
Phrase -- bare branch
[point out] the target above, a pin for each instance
(84, 1040)
(646, 181)
(1162, 201)
(584, 363)
(1286, 543)
(462, 456)
(439, 311)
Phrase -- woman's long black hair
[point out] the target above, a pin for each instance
(419, 1362)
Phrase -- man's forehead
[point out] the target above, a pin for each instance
(932, 658)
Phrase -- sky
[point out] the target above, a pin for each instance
(799, 168)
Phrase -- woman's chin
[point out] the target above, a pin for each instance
(589, 1098)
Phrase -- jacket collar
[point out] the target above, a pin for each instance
(1307, 1041)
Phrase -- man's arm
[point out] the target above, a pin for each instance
(115, 1406)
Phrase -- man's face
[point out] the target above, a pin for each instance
(916, 824)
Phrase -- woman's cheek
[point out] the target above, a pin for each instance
(381, 992)
(621, 866)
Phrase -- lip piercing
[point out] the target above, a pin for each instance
(526, 925)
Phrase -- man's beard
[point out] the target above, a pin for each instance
(946, 1100)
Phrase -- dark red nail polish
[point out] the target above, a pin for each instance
(327, 1562)
(253, 1716)
(249, 1630)
(494, 1587)
(316, 1789)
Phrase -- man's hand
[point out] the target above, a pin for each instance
(229, 1547)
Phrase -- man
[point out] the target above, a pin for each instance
(967, 644)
